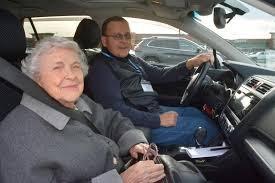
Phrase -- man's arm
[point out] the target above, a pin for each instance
(167, 74)
(176, 73)
(104, 87)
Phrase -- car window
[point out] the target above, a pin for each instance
(162, 44)
(188, 46)
(154, 34)
(173, 44)
(256, 37)
(64, 26)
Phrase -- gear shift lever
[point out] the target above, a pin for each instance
(199, 136)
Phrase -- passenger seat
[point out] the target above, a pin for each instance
(12, 49)
(87, 35)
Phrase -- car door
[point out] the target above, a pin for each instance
(188, 49)
(165, 50)
(171, 53)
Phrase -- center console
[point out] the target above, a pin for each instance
(242, 102)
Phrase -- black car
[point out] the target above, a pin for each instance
(167, 50)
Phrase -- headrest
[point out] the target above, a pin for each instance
(87, 34)
(12, 37)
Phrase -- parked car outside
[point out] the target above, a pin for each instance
(263, 55)
(167, 50)
(265, 58)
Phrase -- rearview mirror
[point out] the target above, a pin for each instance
(219, 17)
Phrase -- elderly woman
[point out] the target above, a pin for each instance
(40, 144)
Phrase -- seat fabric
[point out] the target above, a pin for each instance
(87, 35)
(12, 49)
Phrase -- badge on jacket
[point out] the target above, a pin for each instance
(146, 86)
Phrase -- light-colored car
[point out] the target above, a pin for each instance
(265, 58)
(258, 56)
(263, 55)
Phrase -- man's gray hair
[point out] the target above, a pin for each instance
(30, 65)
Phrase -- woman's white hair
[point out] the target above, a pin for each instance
(30, 65)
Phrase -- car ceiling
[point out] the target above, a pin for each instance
(169, 10)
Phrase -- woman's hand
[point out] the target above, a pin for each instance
(138, 148)
(143, 172)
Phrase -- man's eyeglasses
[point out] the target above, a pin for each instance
(120, 37)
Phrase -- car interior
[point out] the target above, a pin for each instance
(244, 108)
(87, 35)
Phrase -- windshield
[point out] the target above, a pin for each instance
(252, 33)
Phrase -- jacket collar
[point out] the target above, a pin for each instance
(123, 59)
(49, 114)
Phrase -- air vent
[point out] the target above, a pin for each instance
(252, 83)
(264, 88)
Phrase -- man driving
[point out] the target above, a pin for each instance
(123, 82)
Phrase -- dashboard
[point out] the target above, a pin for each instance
(248, 122)
(243, 100)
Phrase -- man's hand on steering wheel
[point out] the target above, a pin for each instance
(199, 59)
(203, 61)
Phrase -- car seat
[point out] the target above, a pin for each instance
(87, 36)
(12, 49)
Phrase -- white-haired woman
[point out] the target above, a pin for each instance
(40, 144)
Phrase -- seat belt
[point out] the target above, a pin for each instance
(14, 76)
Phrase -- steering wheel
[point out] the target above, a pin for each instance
(195, 83)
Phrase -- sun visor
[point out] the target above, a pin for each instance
(202, 7)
